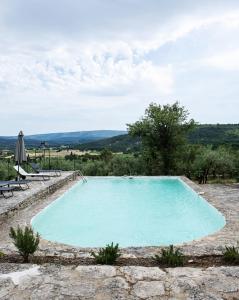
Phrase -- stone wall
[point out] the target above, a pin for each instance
(36, 193)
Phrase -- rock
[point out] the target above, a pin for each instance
(115, 283)
(97, 282)
(144, 289)
(113, 288)
(6, 286)
(96, 271)
(134, 274)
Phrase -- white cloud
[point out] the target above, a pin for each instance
(94, 70)
(62, 58)
(228, 61)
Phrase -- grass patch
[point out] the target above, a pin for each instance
(170, 257)
(107, 255)
(231, 254)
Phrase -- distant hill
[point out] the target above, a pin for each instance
(78, 137)
(60, 139)
(120, 143)
(10, 142)
(220, 134)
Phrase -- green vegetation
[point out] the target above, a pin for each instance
(163, 142)
(121, 143)
(6, 169)
(198, 162)
(107, 255)
(170, 257)
(1, 254)
(231, 254)
(163, 132)
(25, 241)
(220, 161)
(215, 135)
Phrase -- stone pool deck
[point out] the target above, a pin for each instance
(117, 283)
(52, 281)
(38, 190)
(224, 197)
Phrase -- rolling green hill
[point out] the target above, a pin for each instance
(120, 143)
(220, 134)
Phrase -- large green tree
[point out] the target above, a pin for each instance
(163, 132)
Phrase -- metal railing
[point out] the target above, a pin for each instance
(82, 176)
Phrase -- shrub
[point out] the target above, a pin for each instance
(170, 257)
(231, 255)
(107, 255)
(1, 254)
(25, 241)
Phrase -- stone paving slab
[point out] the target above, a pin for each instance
(110, 283)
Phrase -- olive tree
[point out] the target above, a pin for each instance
(213, 162)
(163, 132)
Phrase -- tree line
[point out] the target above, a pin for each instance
(165, 150)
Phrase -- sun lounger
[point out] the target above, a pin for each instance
(6, 190)
(20, 183)
(37, 168)
(24, 174)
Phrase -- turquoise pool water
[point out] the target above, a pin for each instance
(132, 212)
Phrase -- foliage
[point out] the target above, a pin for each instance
(106, 155)
(216, 135)
(121, 143)
(170, 257)
(185, 165)
(6, 169)
(107, 255)
(25, 241)
(163, 132)
(71, 156)
(1, 254)
(203, 134)
(231, 255)
(209, 161)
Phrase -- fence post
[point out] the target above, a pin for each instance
(49, 159)
(8, 165)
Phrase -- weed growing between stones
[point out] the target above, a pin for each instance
(231, 254)
(170, 257)
(25, 241)
(107, 255)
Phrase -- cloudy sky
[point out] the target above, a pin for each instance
(69, 65)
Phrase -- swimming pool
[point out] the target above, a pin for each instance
(143, 211)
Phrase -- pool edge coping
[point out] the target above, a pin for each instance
(85, 251)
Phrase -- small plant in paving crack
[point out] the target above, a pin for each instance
(25, 241)
(107, 255)
(170, 257)
(231, 254)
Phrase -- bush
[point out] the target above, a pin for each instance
(107, 255)
(6, 170)
(170, 257)
(1, 254)
(231, 255)
(25, 241)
